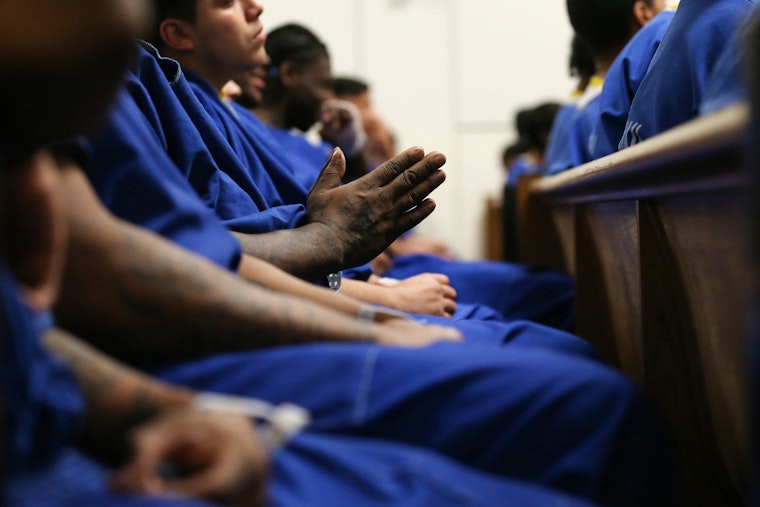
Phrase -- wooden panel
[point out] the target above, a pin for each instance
(680, 329)
(690, 361)
(564, 226)
(608, 283)
(494, 230)
(540, 241)
(707, 237)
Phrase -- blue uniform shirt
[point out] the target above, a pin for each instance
(727, 83)
(307, 158)
(622, 82)
(42, 398)
(558, 146)
(250, 141)
(134, 177)
(572, 137)
(672, 89)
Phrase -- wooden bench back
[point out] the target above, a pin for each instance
(656, 239)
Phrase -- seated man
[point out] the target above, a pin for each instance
(673, 88)
(607, 28)
(299, 82)
(561, 153)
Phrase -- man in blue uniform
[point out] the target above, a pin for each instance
(517, 292)
(560, 151)
(607, 27)
(133, 175)
(673, 88)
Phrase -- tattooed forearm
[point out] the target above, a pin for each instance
(309, 252)
(139, 297)
(116, 397)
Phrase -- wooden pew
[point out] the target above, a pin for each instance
(656, 239)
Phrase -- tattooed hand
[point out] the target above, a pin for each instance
(363, 217)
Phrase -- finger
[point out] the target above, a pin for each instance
(441, 278)
(419, 180)
(141, 473)
(449, 333)
(450, 307)
(332, 172)
(389, 171)
(414, 217)
(217, 479)
(201, 483)
(449, 292)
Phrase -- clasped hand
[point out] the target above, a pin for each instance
(363, 217)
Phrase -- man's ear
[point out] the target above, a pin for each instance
(177, 34)
(642, 14)
(289, 74)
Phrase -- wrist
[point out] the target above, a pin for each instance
(277, 423)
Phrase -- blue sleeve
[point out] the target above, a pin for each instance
(306, 159)
(43, 401)
(622, 83)
(579, 137)
(672, 90)
(257, 161)
(727, 83)
(200, 151)
(558, 150)
(134, 177)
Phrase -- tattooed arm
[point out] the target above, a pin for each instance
(117, 398)
(348, 225)
(132, 416)
(137, 296)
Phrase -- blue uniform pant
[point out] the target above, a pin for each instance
(532, 415)
(312, 470)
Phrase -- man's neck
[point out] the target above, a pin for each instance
(189, 62)
(271, 114)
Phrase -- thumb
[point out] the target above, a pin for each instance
(331, 174)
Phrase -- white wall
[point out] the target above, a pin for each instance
(447, 75)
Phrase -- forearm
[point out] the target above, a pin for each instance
(137, 296)
(305, 252)
(163, 303)
(369, 293)
(271, 277)
(117, 398)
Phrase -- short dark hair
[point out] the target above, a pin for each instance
(534, 124)
(186, 10)
(349, 87)
(294, 43)
(605, 25)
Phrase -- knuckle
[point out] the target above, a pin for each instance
(411, 178)
(392, 168)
